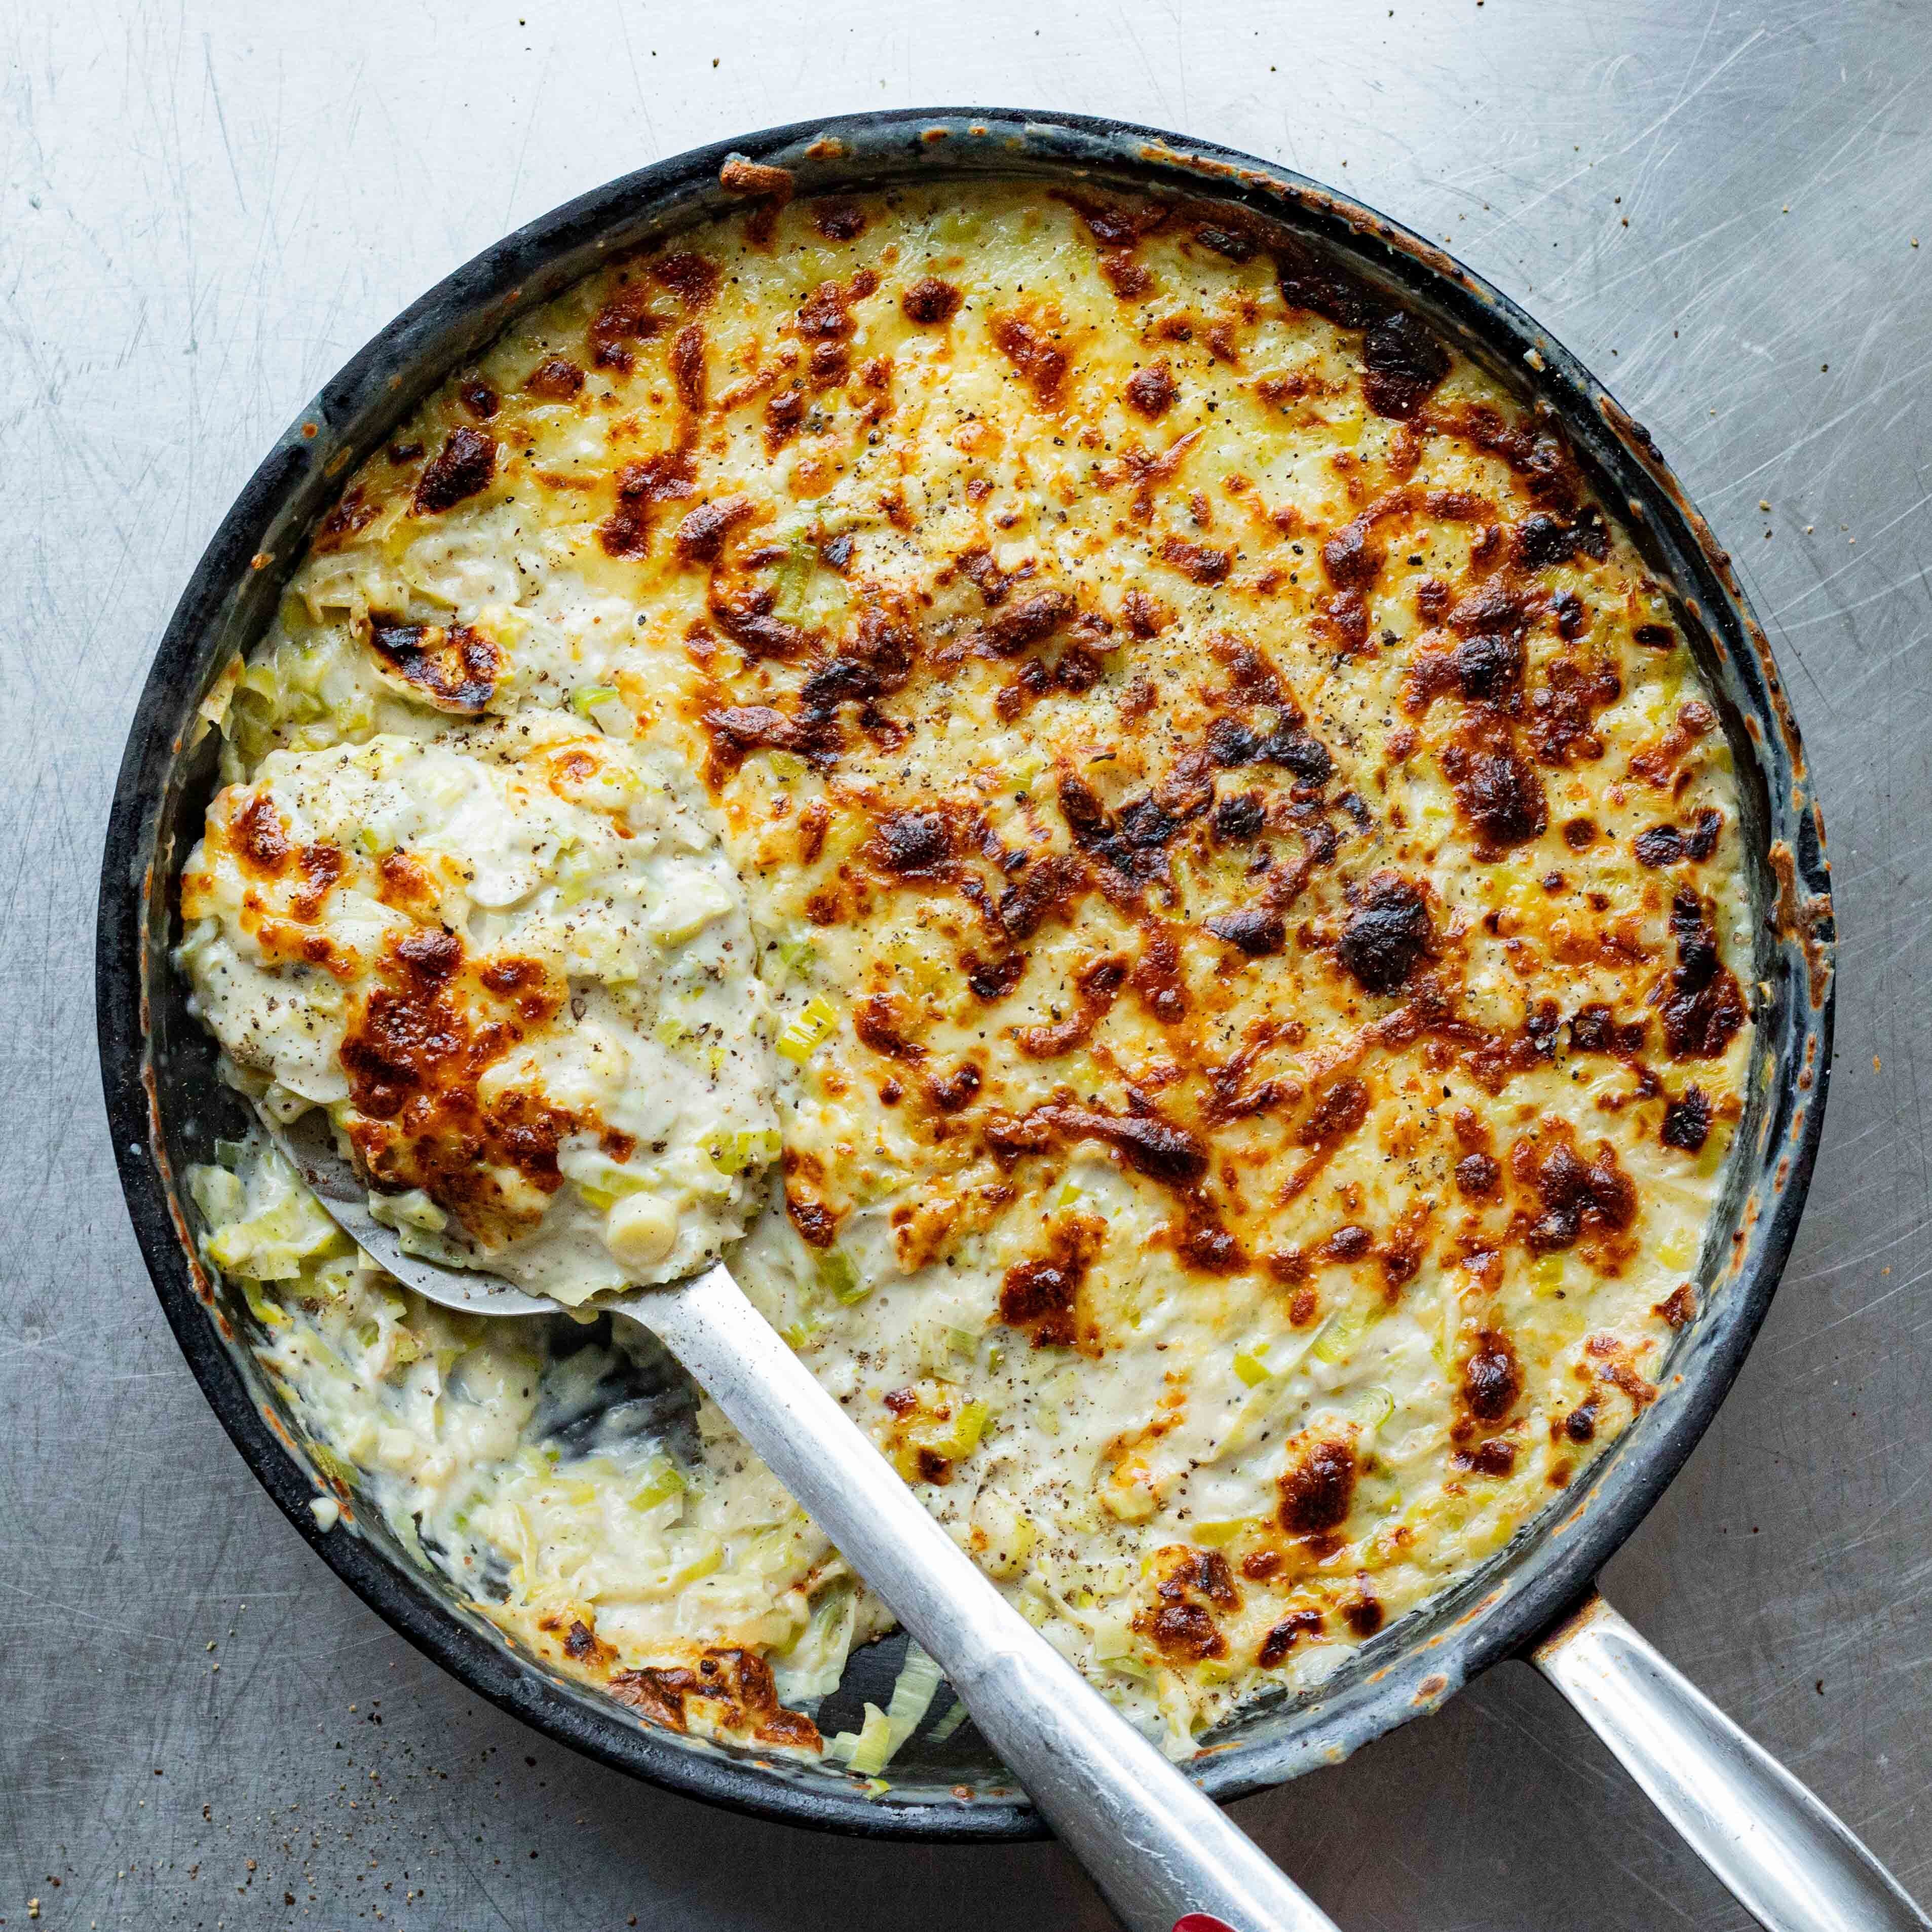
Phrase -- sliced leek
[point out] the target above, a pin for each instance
(807, 1030)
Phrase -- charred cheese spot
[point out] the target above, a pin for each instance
(1283, 1636)
(1042, 1296)
(736, 1685)
(1492, 1377)
(930, 301)
(1387, 934)
(693, 278)
(1578, 1198)
(1318, 1489)
(700, 536)
(459, 469)
(1687, 1121)
(556, 379)
(1705, 1006)
(455, 669)
(1029, 346)
(261, 838)
(1151, 392)
(1405, 363)
(1193, 1590)
(414, 1053)
(1502, 796)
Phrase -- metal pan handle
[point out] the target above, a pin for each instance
(1790, 1863)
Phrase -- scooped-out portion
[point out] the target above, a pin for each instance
(1113, 802)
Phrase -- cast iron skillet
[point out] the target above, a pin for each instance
(166, 1109)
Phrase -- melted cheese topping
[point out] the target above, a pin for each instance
(1246, 871)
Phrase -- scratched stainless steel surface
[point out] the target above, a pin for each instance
(204, 207)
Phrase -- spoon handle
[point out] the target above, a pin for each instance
(1157, 1847)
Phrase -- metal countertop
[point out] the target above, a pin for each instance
(206, 205)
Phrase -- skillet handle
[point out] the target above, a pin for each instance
(1790, 1862)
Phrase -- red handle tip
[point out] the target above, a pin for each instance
(1201, 1922)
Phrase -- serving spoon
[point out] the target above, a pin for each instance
(1165, 1855)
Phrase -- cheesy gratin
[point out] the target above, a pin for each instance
(1103, 813)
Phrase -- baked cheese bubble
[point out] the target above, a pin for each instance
(1218, 993)
(515, 967)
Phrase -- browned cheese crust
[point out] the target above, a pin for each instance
(1252, 819)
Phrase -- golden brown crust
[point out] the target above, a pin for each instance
(414, 1053)
(1254, 820)
(455, 667)
(732, 1688)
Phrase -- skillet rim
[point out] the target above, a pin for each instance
(1509, 1602)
